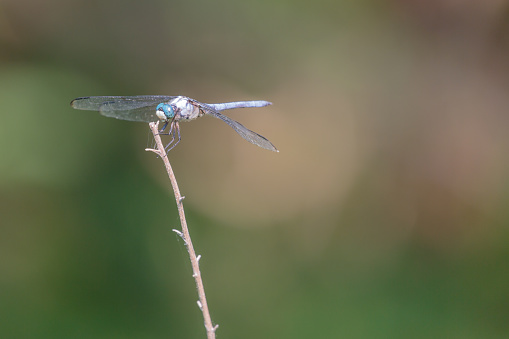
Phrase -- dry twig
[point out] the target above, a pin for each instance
(202, 302)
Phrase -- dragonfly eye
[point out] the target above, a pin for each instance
(165, 111)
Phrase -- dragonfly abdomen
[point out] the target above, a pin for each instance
(239, 104)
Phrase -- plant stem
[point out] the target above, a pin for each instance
(202, 303)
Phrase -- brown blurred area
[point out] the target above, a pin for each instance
(383, 215)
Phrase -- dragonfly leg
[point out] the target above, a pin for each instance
(162, 130)
(164, 127)
(172, 133)
(173, 142)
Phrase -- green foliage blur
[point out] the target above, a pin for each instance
(385, 214)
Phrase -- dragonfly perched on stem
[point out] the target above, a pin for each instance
(171, 110)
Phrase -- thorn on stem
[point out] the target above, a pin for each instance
(179, 233)
(199, 304)
(198, 257)
(153, 150)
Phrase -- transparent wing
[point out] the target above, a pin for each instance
(247, 134)
(132, 108)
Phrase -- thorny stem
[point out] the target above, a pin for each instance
(202, 303)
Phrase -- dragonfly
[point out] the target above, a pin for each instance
(171, 110)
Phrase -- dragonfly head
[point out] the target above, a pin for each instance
(165, 112)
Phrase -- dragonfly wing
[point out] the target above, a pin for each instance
(143, 114)
(132, 108)
(247, 134)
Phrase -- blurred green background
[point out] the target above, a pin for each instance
(384, 215)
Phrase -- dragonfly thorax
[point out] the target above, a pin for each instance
(180, 108)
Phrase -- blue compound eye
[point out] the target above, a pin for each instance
(166, 109)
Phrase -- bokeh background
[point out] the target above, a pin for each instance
(384, 215)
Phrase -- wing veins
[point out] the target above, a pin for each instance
(244, 132)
